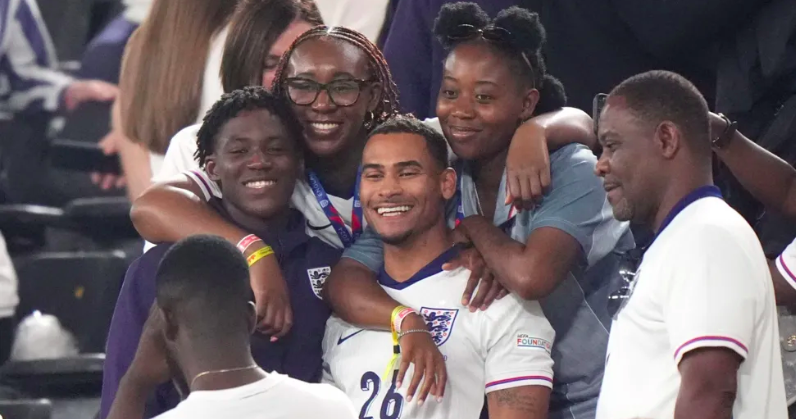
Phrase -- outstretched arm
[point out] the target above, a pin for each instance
(771, 180)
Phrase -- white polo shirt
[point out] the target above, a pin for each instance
(703, 283)
(786, 264)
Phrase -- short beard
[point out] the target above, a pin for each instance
(396, 240)
(623, 210)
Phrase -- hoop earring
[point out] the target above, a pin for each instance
(370, 120)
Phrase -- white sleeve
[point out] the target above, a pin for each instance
(518, 339)
(180, 155)
(711, 296)
(786, 264)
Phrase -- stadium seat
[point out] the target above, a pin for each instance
(26, 409)
(24, 226)
(104, 219)
(79, 288)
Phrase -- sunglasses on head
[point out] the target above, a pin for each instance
(490, 33)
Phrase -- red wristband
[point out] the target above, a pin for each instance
(247, 241)
(400, 316)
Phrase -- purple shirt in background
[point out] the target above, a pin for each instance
(304, 261)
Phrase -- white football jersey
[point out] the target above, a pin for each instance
(504, 347)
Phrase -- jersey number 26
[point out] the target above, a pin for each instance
(393, 402)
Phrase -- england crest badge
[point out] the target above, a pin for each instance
(317, 277)
(440, 322)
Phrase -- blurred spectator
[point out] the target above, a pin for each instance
(364, 16)
(591, 47)
(29, 77)
(169, 79)
(103, 56)
(8, 300)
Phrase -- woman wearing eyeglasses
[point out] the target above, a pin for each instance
(565, 252)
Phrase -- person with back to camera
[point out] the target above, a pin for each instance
(198, 333)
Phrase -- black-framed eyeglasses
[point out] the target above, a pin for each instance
(490, 33)
(304, 92)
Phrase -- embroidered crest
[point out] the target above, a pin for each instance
(317, 278)
(440, 322)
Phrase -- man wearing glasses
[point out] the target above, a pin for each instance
(696, 336)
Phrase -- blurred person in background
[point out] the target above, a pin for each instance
(102, 58)
(364, 16)
(29, 77)
(609, 41)
(169, 78)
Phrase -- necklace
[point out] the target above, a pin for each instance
(478, 200)
(202, 374)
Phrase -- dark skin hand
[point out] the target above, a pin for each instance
(771, 180)
(416, 348)
(532, 270)
(709, 383)
(188, 215)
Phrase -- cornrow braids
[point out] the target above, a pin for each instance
(388, 102)
(235, 102)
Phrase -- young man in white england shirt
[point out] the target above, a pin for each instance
(697, 336)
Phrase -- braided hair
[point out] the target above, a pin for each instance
(235, 102)
(377, 65)
(525, 39)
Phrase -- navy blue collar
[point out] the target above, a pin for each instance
(693, 196)
(434, 267)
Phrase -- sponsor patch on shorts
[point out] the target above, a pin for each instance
(527, 341)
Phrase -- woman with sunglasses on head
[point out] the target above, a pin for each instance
(341, 88)
(564, 252)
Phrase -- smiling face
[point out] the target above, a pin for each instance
(403, 189)
(331, 129)
(481, 103)
(629, 163)
(257, 164)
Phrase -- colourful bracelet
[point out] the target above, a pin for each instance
(247, 241)
(259, 254)
(398, 316)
